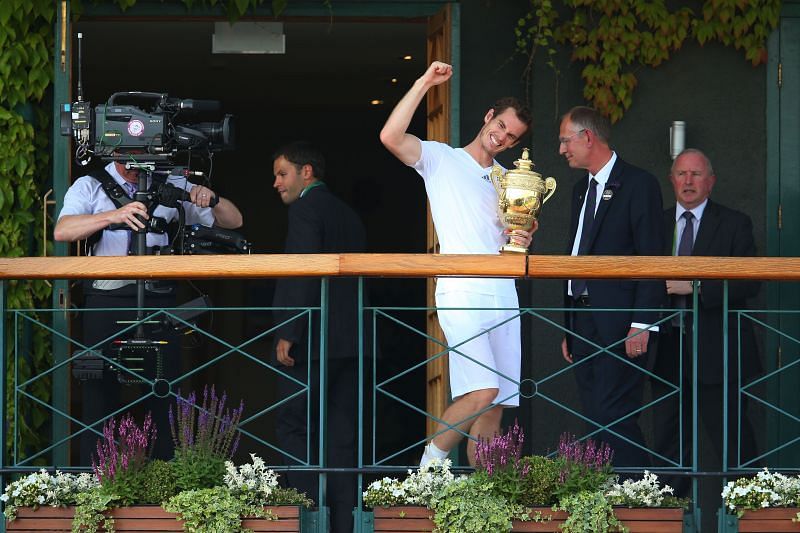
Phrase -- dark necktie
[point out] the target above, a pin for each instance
(687, 237)
(684, 248)
(579, 285)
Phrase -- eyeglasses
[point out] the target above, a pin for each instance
(568, 138)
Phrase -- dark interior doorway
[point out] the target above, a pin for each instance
(322, 89)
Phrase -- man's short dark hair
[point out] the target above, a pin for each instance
(510, 102)
(591, 119)
(302, 153)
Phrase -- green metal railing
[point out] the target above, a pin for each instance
(375, 386)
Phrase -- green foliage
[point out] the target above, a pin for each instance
(282, 496)
(614, 38)
(213, 510)
(578, 478)
(158, 482)
(153, 484)
(197, 470)
(233, 8)
(589, 512)
(470, 505)
(538, 486)
(26, 44)
(91, 511)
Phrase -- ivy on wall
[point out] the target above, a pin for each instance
(614, 38)
(233, 8)
(26, 44)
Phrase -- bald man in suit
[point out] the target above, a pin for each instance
(705, 228)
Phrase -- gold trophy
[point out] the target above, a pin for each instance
(521, 193)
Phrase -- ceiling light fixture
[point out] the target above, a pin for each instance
(376, 102)
(407, 57)
(248, 38)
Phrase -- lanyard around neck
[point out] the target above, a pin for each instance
(315, 184)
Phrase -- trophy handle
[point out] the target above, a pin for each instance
(494, 176)
(550, 186)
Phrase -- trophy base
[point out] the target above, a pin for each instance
(512, 248)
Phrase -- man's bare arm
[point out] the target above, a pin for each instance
(70, 228)
(394, 135)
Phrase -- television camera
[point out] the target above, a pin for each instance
(156, 126)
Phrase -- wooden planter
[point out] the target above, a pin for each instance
(142, 518)
(650, 520)
(769, 520)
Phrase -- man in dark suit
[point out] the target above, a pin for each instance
(700, 226)
(319, 222)
(615, 211)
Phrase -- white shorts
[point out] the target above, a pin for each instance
(488, 335)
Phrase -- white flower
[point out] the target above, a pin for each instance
(765, 489)
(416, 489)
(41, 488)
(643, 493)
(254, 480)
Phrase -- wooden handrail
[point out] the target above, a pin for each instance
(400, 265)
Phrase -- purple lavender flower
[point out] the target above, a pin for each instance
(585, 455)
(123, 448)
(501, 451)
(208, 428)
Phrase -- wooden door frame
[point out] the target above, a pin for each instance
(783, 392)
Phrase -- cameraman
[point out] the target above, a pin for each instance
(86, 214)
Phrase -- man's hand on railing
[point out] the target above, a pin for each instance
(282, 352)
(678, 286)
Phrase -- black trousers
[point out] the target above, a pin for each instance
(610, 389)
(102, 397)
(297, 438)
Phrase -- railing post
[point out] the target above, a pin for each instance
(4, 371)
(695, 405)
(725, 384)
(324, 518)
(358, 513)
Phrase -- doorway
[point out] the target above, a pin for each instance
(335, 86)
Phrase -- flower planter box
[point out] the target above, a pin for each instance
(143, 518)
(769, 520)
(650, 520)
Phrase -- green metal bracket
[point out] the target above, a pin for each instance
(689, 523)
(727, 523)
(316, 521)
(367, 523)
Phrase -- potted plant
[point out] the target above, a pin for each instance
(575, 491)
(768, 500)
(199, 490)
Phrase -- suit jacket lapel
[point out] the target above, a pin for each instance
(670, 243)
(708, 228)
(578, 195)
(614, 183)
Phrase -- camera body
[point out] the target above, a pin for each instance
(153, 124)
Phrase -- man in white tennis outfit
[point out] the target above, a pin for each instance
(485, 342)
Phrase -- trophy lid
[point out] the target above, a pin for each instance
(524, 165)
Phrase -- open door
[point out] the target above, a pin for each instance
(438, 106)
